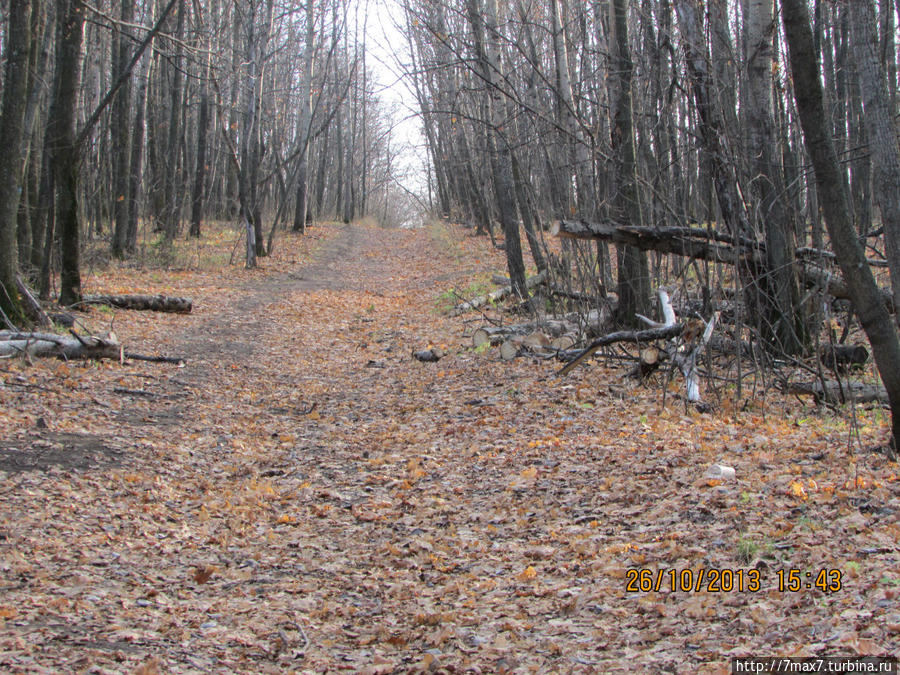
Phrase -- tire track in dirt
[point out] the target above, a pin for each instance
(236, 338)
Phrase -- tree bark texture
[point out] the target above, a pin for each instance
(12, 124)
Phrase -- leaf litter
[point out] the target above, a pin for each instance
(305, 496)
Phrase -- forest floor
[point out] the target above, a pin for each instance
(302, 495)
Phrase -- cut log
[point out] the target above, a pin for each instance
(152, 303)
(494, 335)
(496, 296)
(509, 350)
(497, 334)
(60, 346)
(563, 342)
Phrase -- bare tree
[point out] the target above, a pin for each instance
(835, 204)
(12, 126)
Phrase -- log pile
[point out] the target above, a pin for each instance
(683, 352)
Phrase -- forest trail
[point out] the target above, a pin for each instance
(304, 495)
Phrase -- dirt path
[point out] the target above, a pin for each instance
(304, 496)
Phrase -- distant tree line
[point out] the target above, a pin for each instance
(152, 116)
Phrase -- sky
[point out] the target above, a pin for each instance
(386, 52)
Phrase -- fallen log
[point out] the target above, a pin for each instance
(496, 296)
(152, 358)
(702, 244)
(60, 346)
(685, 241)
(152, 303)
(840, 392)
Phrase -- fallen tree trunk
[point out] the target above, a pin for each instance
(496, 296)
(152, 303)
(59, 346)
(702, 244)
(840, 392)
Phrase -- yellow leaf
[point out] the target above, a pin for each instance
(528, 574)
(797, 490)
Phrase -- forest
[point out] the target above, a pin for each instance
(448, 335)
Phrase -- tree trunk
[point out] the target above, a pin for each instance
(498, 147)
(836, 207)
(15, 83)
(135, 169)
(782, 324)
(881, 132)
(120, 131)
(304, 124)
(199, 188)
(60, 142)
(634, 275)
(172, 200)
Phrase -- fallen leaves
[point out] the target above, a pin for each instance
(279, 504)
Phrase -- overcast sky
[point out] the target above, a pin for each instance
(387, 51)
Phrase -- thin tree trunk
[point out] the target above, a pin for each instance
(198, 191)
(120, 131)
(304, 124)
(498, 147)
(172, 200)
(135, 169)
